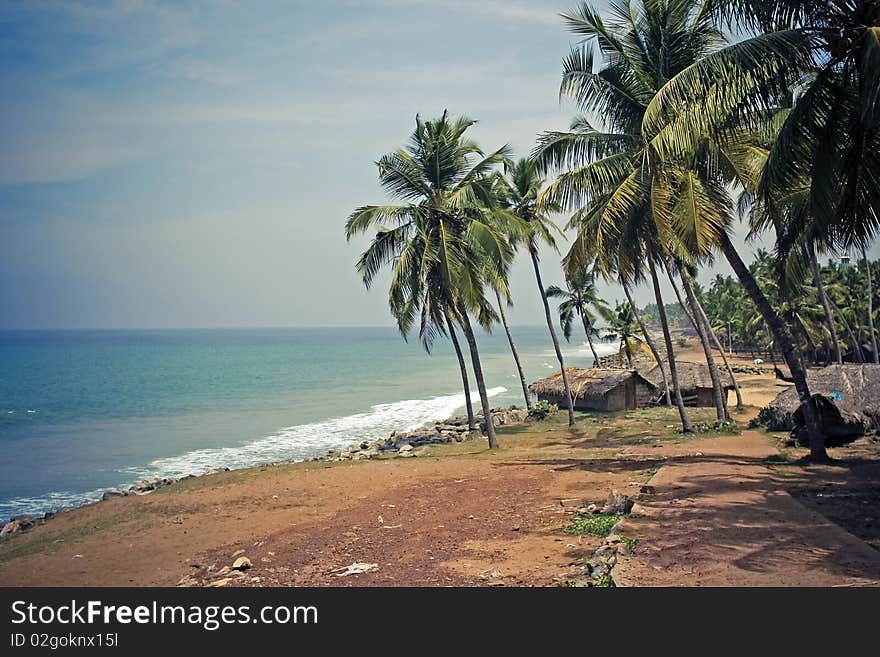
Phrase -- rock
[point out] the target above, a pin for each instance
(365, 444)
(617, 504)
(491, 575)
(237, 553)
(648, 490)
(11, 527)
(113, 492)
(356, 569)
(593, 509)
(219, 582)
(242, 563)
(403, 449)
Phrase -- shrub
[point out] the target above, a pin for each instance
(600, 525)
(543, 409)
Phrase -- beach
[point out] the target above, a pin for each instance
(459, 514)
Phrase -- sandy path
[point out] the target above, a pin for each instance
(722, 518)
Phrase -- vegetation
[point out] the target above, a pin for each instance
(599, 525)
(542, 409)
(679, 132)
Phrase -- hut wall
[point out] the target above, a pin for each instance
(704, 396)
(644, 394)
(615, 399)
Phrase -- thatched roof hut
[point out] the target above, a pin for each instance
(694, 381)
(597, 388)
(847, 398)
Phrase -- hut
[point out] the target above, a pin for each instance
(693, 380)
(846, 398)
(598, 389)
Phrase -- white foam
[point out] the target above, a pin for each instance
(313, 439)
(291, 443)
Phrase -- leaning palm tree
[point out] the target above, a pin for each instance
(441, 241)
(513, 350)
(581, 298)
(609, 176)
(523, 185)
(829, 54)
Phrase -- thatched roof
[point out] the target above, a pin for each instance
(690, 376)
(856, 385)
(592, 382)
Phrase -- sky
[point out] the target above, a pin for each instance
(169, 164)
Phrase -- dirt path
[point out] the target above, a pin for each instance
(721, 517)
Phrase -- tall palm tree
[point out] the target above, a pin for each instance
(469, 405)
(579, 298)
(870, 311)
(623, 328)
(829, 53)
(441, 240)
(650, 342)
(523, 184)
(513, 350)
(609, 175)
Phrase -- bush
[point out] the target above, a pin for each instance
(596, 525)
(727, 427)
(682, 342)
(543, 409)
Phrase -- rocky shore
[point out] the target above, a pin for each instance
(405, 444)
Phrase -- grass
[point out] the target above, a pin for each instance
(53, 540)
(594, 525)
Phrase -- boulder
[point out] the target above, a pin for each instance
(113, 492)
(617, 504)
(242, 563)
(405, 448)
(11, 527)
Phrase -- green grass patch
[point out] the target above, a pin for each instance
(21, 546)
(595, 525)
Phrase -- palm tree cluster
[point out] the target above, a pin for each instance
(846, 333)
(679, 133)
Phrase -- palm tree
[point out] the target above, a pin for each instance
(522, 187)
(650, 342)
(579, 298)
(623, 328)
(610, 177)
(472, 420)
(870, 311)
(513, 350)
(441, 241)
(829, 54)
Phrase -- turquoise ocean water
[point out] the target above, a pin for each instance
(82, 411)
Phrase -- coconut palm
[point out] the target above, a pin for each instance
(442, 241)
(521, 188)
(825, 144)
(623, 328)
(513, 350)
(581, 298)
(609, 176)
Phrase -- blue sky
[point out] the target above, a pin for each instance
(191, 164)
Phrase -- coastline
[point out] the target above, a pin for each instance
(461, 515)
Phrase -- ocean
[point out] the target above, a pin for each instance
(83, 411)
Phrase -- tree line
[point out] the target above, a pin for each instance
(680, 133)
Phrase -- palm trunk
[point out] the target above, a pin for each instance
(534, 253)
(588, 330)
(829, 318)
(686, 425)
(472, 421)
(519, 369)
(718, 393)
(783, 341)
(481, 383)
(871, 307)
(650, 342)
(857, 348)
(628, 353)
(736, 388)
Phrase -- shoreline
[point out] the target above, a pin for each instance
(463, 515)
(399, 444)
